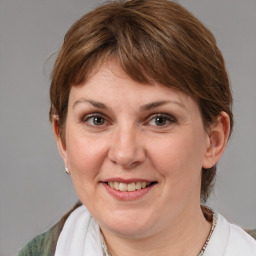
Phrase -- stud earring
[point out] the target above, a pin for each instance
(67, 171)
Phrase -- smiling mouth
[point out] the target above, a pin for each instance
(129, 187)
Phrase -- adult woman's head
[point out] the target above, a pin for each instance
(154, 42)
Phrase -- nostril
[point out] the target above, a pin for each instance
(126, 151)
(125, 163)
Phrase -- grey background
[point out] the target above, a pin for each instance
(34, 190)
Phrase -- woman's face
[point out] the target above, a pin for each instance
(122, 136)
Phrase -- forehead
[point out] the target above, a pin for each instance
(111, 86)
(106, 66)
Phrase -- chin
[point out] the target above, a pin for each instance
(127, 225)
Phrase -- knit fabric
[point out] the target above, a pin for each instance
(42, 245)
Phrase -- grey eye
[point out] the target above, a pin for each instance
(160, 121)
(96, 120)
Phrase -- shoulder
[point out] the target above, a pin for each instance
(240, 243)
(43, 244)
(229, 240)
(251, 232)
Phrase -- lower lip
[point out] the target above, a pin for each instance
(127, 195)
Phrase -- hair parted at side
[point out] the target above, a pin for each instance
(155, 40)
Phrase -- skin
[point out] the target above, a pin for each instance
(126, 140)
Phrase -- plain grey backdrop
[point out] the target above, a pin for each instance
(34, 190)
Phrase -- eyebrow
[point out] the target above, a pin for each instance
(145, 107)
(92, 102)
(156, 104)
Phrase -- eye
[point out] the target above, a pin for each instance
(161, 120)
(94, 120)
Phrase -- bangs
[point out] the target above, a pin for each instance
(144, 52)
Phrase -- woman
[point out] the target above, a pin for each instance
(141, 112)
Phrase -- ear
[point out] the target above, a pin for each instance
(60, 143)
(218, 134)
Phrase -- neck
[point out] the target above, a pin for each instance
(185, 237)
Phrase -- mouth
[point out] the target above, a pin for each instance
(129, 187)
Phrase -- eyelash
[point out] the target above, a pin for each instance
(168, 119)
(86, 118)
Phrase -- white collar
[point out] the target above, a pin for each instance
(80, 235)
(219, 240)
(230, 240)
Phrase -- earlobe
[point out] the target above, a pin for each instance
(218, 137)
(61, 145)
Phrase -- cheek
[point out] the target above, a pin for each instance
(178, 160)
(85, 158)
(85, 155)
(170, 153)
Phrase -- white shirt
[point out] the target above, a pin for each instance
(230, 240)
(80, 236)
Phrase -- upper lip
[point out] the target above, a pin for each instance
(128, 180)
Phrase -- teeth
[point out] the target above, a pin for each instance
(120, 186)
(138, 185)
(123, 186)
(131, 187)
(116, 185)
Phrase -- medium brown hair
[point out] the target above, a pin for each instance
(154, 40)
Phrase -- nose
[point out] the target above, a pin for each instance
(127, 148)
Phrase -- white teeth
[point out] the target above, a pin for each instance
(138, 185)
(120, 186)
(131, 186)
(123, 186)
(116, 185)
